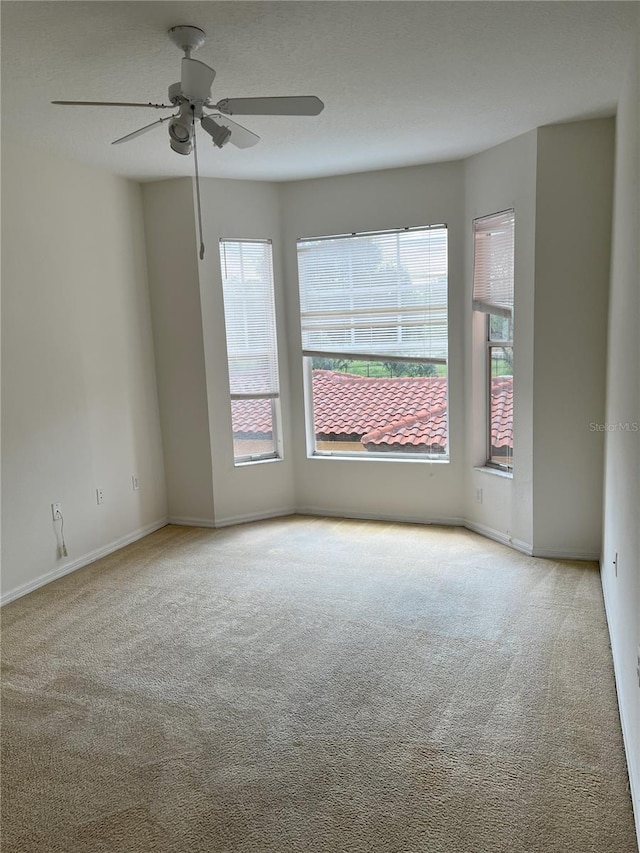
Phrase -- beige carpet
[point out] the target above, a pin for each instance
(313, 685)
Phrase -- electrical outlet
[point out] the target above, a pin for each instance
(478, 497)
(99, 496)
(135, 482)
(56, 511)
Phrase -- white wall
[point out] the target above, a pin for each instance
(574, 185)
(79, 404)
(419, 491)
(204, 486)
(500, 178)
(559, 180)
(234, 210)
(179, 348)
(622, 449)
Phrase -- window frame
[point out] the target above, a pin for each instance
(277, 454)
(489, 344)
(308, 354)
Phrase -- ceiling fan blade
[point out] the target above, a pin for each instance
(196, 79)
(240, 136)
(300, 105)
(141, 130)
(111, 104)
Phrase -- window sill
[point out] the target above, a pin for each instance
(497, 472)
(382, 457)
(246, 462)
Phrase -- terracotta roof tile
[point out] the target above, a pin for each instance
(346, 404)
(251, 418)
(502, 411)
(407, 411)
(426, 428)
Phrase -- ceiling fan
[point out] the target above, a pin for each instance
(191, 98)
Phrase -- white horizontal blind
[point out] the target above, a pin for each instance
(380, 294)
(250, 318)
(493, 263)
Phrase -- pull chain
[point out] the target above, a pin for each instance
(195, 156)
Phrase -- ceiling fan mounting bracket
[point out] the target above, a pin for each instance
(187, 38)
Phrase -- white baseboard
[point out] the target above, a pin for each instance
(527, 548)
(498, 536)
(522, 546)
(446, 521)
(566, 554)
(79, 563)
(183, 521)
(230, 520)
(255, 516)
(633, 767)
(456, 521)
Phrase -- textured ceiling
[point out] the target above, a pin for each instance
(403, 82)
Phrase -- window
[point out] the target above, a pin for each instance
(373, 310)
(250, 322)
(493, 286)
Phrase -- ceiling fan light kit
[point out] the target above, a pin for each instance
(192, 95)
(219, 133)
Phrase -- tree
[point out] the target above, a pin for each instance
(319, 363)
(403, 368)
